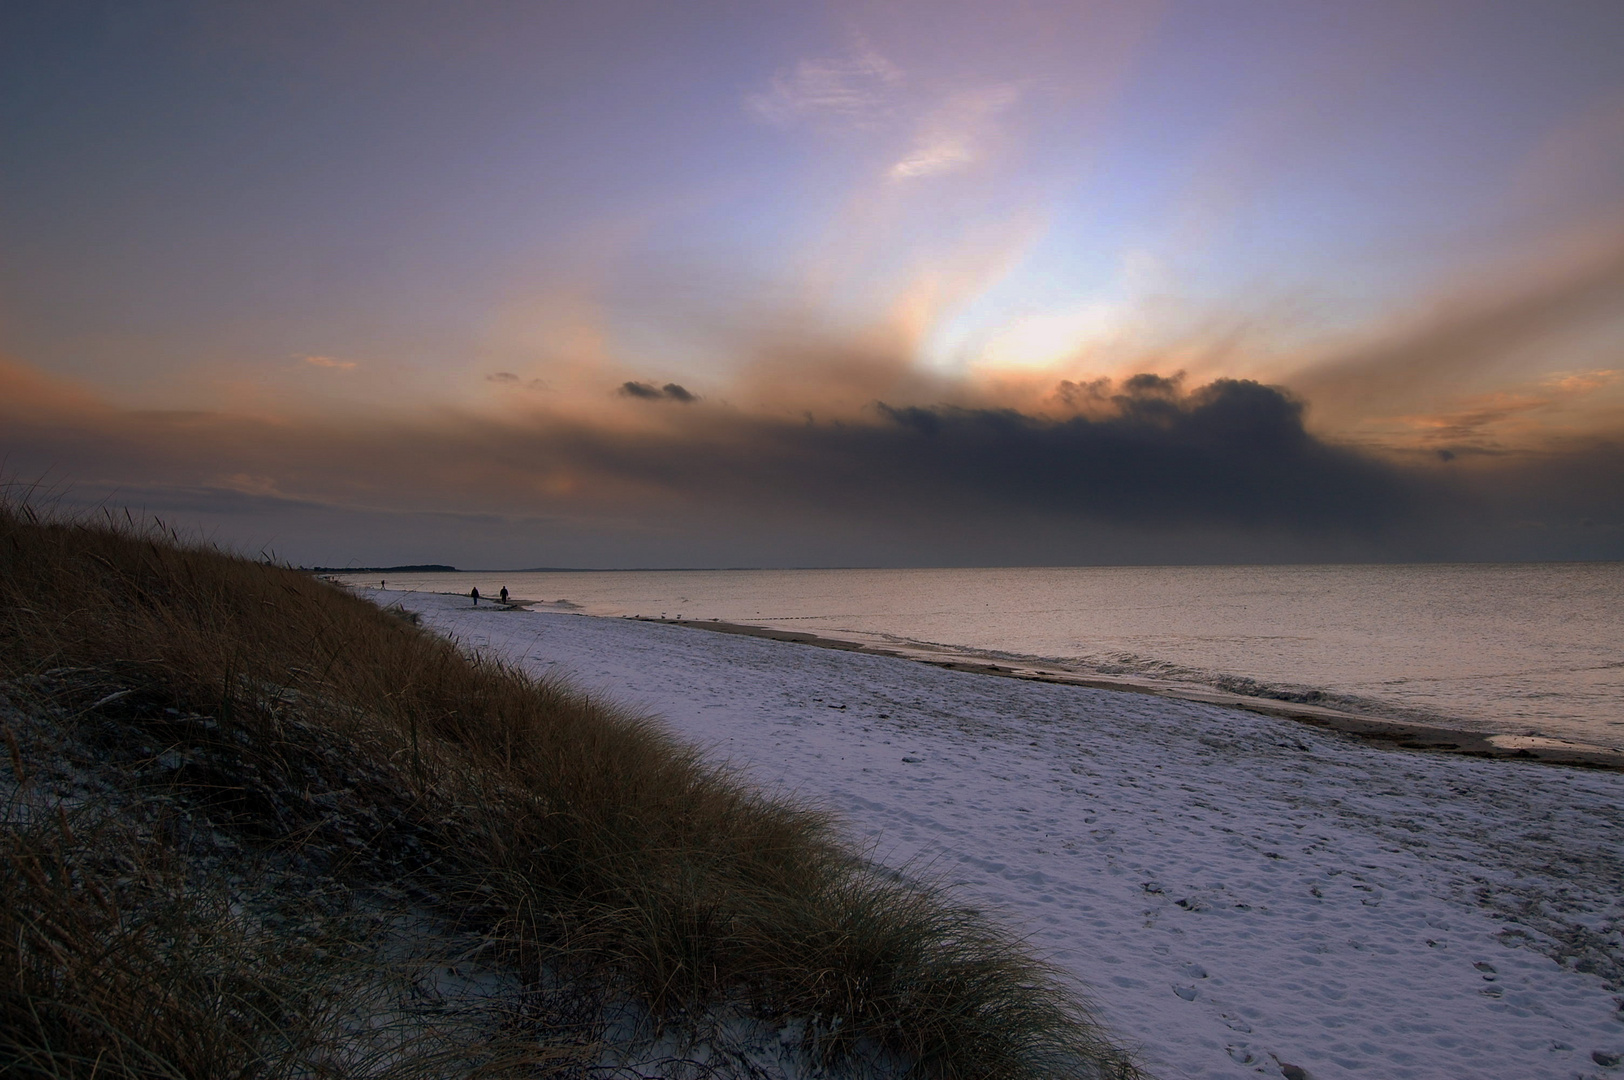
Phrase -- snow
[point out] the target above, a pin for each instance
(1242, 895)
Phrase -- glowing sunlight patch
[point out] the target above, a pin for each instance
(1048, 339)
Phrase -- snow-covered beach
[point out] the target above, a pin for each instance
(1244, 895)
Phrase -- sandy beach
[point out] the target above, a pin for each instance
(1243, 894)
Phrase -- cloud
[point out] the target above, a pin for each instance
(856, 88)
(509, 379)
(1146, 468)
(1584, 382)
(251, 485)
(1468, 337)
(330, 362)
(26, 391)
(940, 155)
(1231, 452)
(1518, 416)
(650, 392)
(951, 139)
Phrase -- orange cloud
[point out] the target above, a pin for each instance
(25, 391)
(1502, 340)
(1143, 468)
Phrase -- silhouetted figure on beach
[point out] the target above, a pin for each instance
(504, 594)
(474, 592)
(384, 584)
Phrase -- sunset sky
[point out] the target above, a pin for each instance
(777, 284)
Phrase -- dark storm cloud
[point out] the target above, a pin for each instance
(1231, 451)
(1149, 471)
(649, 392)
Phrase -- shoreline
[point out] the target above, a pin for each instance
(1235, 893)
(1388, 734)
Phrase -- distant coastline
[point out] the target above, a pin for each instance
(437, 568)
(421, 568)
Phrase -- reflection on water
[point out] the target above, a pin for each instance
(1526, 648)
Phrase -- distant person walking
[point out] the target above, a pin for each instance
(384, 584)
(504, 594)
(474, 592)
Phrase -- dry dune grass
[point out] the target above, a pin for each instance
(596, 848)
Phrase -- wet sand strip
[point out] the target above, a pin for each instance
(1392, 734)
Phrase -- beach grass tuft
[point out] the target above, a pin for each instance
(585, 844)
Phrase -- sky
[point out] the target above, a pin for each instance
(637, 283)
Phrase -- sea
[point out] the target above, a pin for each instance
(1522, 649)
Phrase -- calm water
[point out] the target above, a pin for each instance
(1510, 648)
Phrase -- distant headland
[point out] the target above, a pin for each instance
(424, 568)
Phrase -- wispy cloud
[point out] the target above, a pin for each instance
(509, 380)
(857, 88)
(248, 484)
(330, 362)
(953, 137)
(1468, 338)
(1584, 382)
(1510, 419)
(941, 154)
(863, 89)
